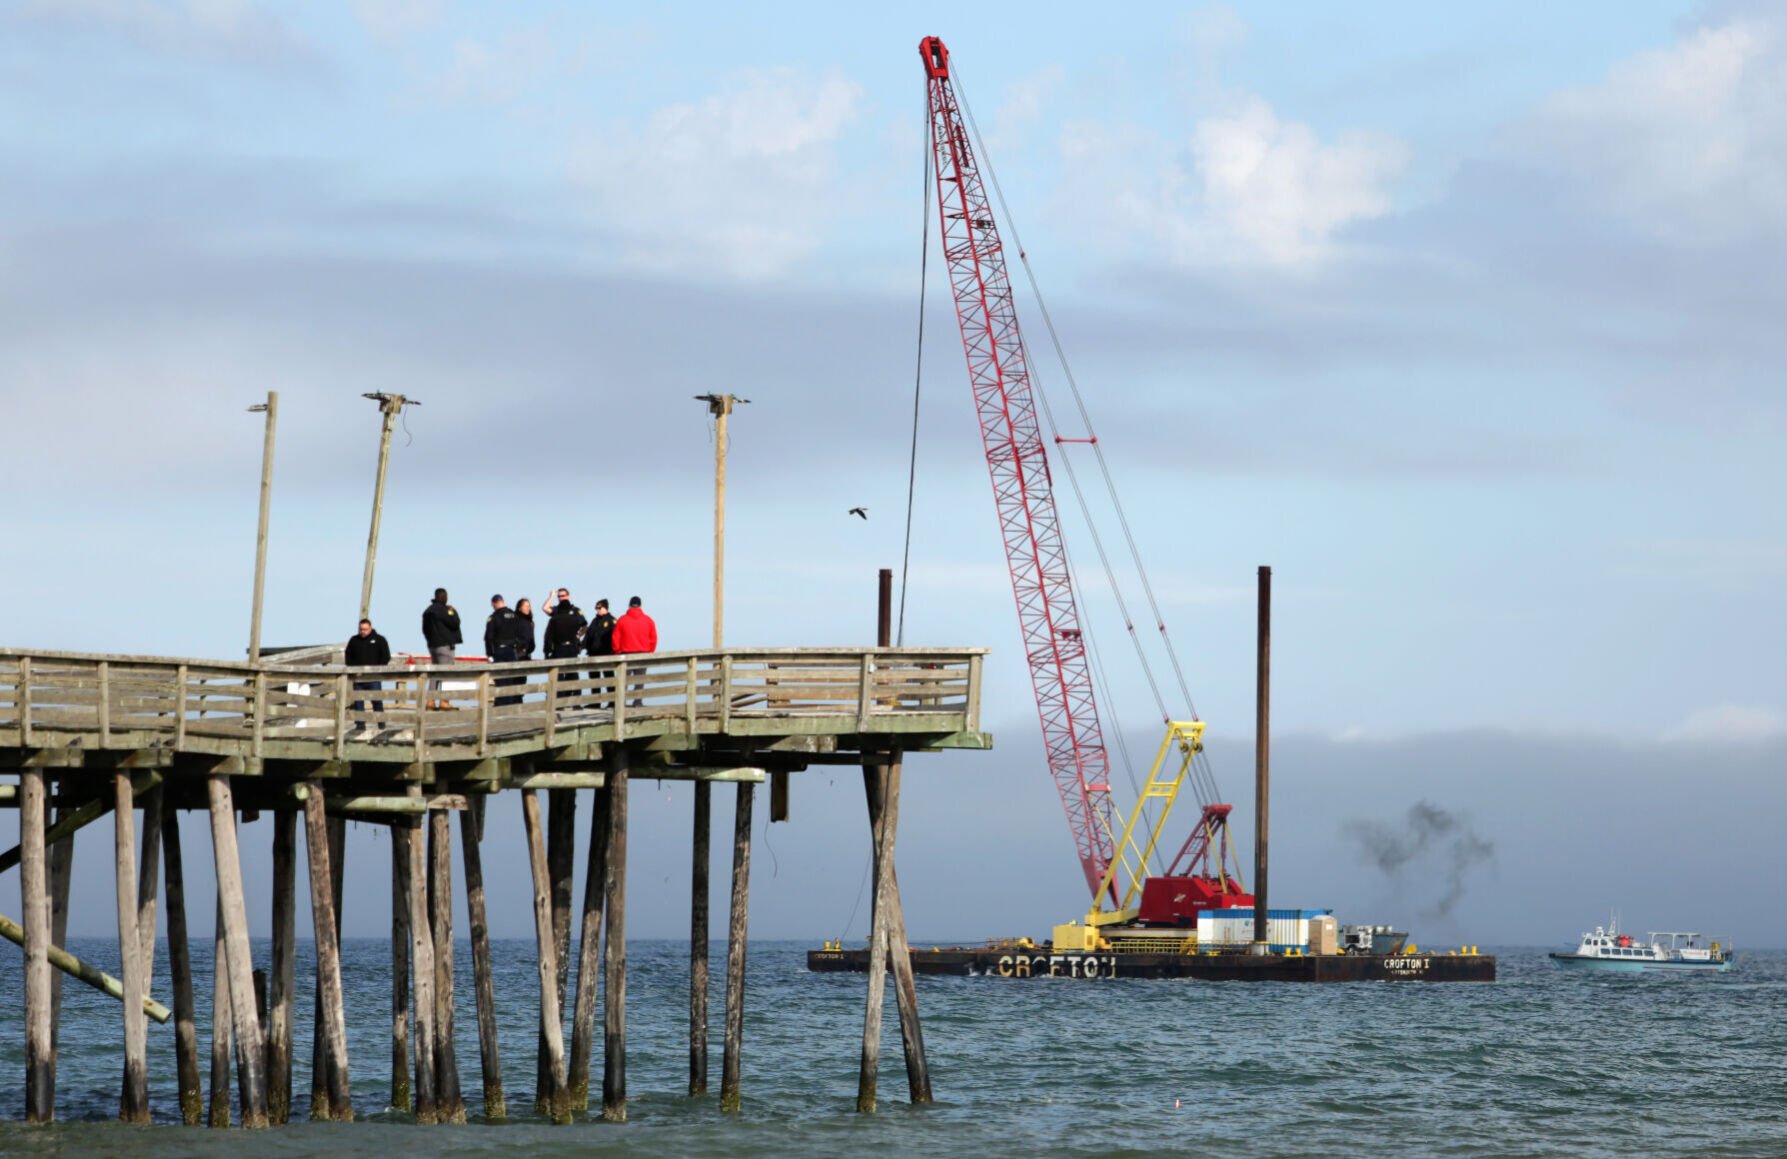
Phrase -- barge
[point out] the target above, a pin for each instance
(1302, 946)
(1018, 960)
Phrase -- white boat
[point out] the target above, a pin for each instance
(1605, 948)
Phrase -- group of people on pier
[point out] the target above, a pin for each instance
(509, 635)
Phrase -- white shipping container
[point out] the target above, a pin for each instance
(1285, 928)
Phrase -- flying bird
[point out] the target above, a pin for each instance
(860, 512)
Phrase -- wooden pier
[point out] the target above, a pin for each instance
(313, 745)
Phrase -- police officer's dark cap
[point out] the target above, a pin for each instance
(496, 597)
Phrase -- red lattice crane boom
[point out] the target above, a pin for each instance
(1022, 489)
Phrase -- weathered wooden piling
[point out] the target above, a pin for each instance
(876, 781)
(400, 965)
(449, 1101)
(149, 880)
(280, 980)
(323, 1083)
(561, 853)
(471, 834)
(882, 932)
(589, 950)
(325, 918)
(699, 891)
(133, 1099)
(553, 1097)
(731, 1096)
(40, 1050)
(427, 1086)
(61, 855)
(186, 1033)
(918, 1076)
(250, 1047)
(614, 982)
(221, 1038)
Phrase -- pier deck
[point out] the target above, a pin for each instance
(296, 737)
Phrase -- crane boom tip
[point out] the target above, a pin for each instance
(936, 57)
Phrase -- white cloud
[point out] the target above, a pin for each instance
(1730, 724)
(1244, 186)
(1690, 140)
(742, 181)
(1277, 186)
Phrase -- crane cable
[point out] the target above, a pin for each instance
(924, 261)
(1202, 776)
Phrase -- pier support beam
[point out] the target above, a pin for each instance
(322, 1081)
(881, 933)
(561, 854)
(40, 1050)
(133, 1099)
(589, 950)
(186, 1031)
(240, 964)
(471, 833)
(400, 967)
(731, 1096)
(614, 982)
(220, 1023)
(918, 1072)
(280, 980)
(449, 1101)
(553, 1095)
(149, 881)
(699, 892)
(325, 918)
(422, 976)
(61, 855)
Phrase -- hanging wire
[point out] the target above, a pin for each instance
(862, 886)
(1202, 776)
(924, 261)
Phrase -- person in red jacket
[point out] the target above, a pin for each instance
(635, 631)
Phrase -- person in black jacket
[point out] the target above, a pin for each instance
(563, 633)
(501, 635)
(524, 629)
(564, 630)
(499, 631)
(598, 640)
(440, 627)
(367, 649)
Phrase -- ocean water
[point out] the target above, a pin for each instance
(1543, 1062)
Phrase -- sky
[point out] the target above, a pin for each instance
(1464, 318)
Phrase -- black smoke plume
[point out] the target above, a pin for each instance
(1428, 837)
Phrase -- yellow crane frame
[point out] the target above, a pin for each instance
(1132, 859)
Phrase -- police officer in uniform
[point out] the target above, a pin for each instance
(598, 640)
(502, 642)
(499, 632)
(564, 631)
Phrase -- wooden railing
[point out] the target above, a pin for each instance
(426, 712)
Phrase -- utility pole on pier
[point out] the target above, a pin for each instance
(271, 409)
(390, 406)
(720, 406)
